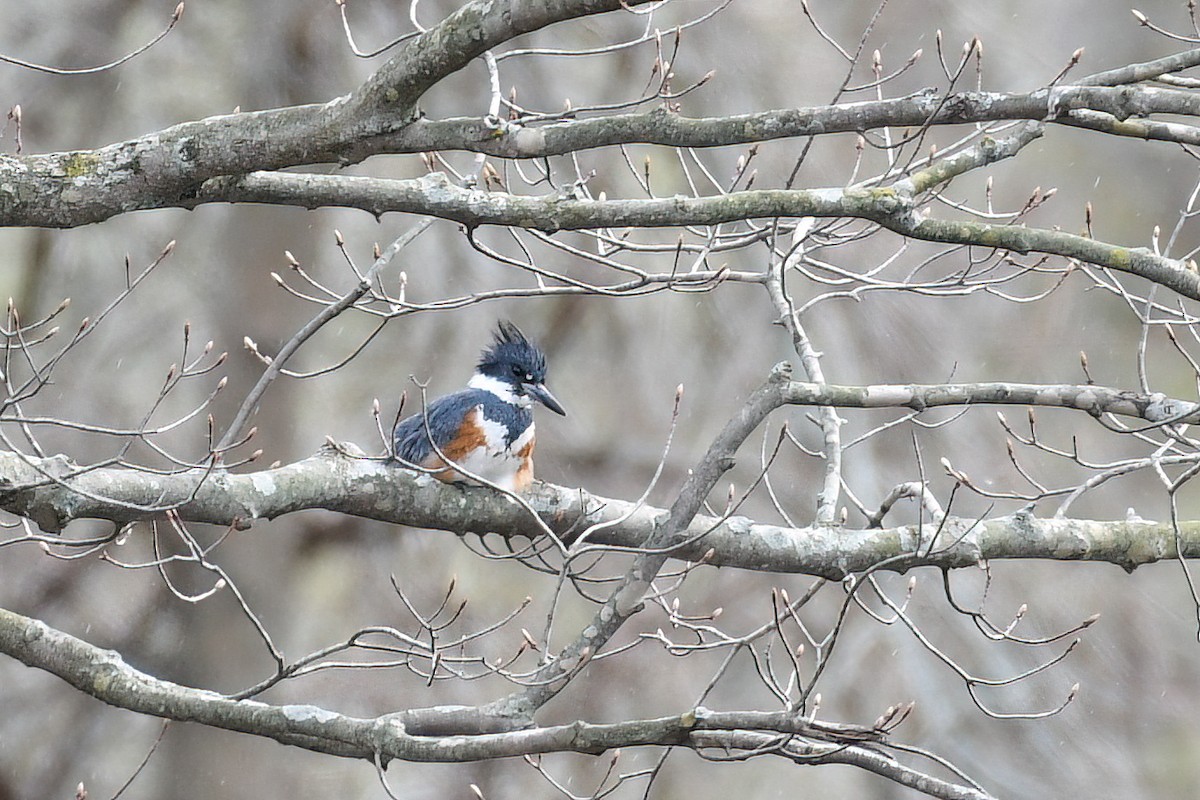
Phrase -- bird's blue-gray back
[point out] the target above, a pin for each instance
(411, 440)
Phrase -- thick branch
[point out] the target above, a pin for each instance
(103, 674)
(672, 130)
(50, 492)
(452, 44)
(166, 169)
(892, 208)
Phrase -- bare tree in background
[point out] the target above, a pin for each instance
(594, 644)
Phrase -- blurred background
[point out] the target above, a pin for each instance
(314, 578)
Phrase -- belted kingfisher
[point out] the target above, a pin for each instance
(487, 428)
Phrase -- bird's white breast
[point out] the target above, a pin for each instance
(496, 462)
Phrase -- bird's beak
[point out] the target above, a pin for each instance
(543, 396)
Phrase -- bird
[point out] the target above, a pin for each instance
(487, 428)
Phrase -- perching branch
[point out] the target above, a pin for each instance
(52, 492)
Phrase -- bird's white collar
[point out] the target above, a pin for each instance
(499, 388)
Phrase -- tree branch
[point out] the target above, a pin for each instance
(53, 491)
(105, 675)
(627, 598)
(166, 169)
(324, 316)
(892, 208)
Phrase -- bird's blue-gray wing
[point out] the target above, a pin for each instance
(445, 416)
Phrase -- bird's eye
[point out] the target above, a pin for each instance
(516, 370)
(529, 377)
